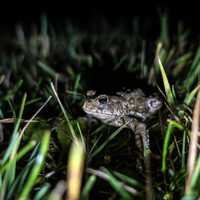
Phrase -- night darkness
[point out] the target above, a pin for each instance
(85, 12)
(85, 15)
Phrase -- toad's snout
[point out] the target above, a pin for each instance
(85, 105)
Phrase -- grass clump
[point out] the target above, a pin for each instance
(54, 69)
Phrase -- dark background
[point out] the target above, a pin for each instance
(84, 11)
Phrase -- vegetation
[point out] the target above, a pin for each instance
(51, 150)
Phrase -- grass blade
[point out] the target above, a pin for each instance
(168, 90)
(75, 170)
(20, 155)
(128, 180)
(37, 167)
(112, 136)
(42, 192)
(106, 175)
(47, 69)
(194, 70)
(189, 97)
(58, 191)
(64, 112)
(195, 178)
(13, 145)
(76, 86)
(193, 144)
(169, 131)
(117, 185)
(88, 187)
(164, 35)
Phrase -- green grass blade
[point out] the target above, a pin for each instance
(9, 149)
(189, 97)
(3, 188)
(117, 185)
(168, 90)
(11, 153)
(169, 132)
(193, 190)
(194, 70)
(37, 167)
(88, 187)
(13, 91)
(189, 82)
(188, 197)
(18, 184)
(24, 174)
(195, 176)
(181, 64)
(64, 112)
(183, 159)
(18, 124)
(47, 69)
(102, 146)
(13, 145)
(128, 180)
(194, 63)
(121, 61)
(20, 155)
(76, 86)
(10, 173)
(42, 192)
(164, 33)
(81, 135)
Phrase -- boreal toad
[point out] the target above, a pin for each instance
(131, 108)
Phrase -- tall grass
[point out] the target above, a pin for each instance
(59, 153)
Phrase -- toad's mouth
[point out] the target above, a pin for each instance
(89, 112)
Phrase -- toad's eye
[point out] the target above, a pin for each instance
(154, 104)
(103, 99)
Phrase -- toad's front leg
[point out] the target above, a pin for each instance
(141, 137)
(142, 132)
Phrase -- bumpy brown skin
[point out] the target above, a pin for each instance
(131, 109)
